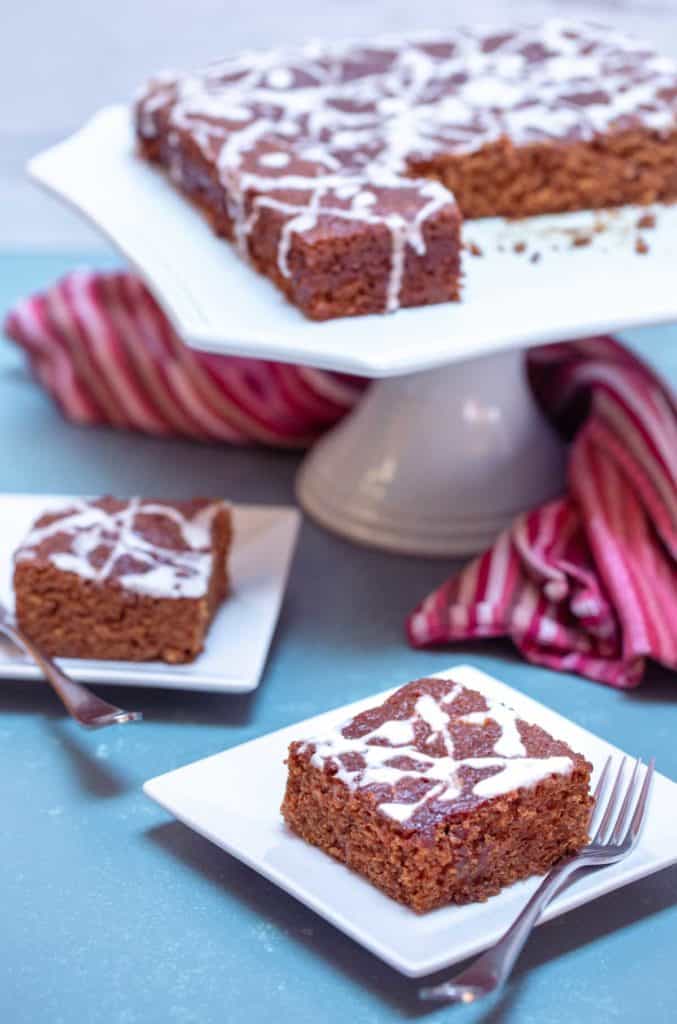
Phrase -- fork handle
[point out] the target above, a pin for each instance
(82, 705)
(491, 969)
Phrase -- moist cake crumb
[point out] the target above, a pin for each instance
(641, 246)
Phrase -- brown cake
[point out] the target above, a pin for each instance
(439, 795)
(130, 580)
(339, 170)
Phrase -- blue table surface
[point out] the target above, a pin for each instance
(112, 912)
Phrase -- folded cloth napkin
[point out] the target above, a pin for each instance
(586, 584)
(103, 348)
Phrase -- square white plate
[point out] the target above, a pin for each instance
(239, 637)
(219, 303)
(245, 820)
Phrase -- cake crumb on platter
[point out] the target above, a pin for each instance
(647, 221)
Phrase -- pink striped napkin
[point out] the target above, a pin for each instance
(103, 348)
(586, 584)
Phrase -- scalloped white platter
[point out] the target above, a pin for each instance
(510, 299)
(245, 821)
(240, 635)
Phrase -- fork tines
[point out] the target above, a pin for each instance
(614, 825)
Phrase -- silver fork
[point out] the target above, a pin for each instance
(80, 703)
(614, 837)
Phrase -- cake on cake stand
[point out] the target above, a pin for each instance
(447, 445)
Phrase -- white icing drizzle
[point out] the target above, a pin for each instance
(158, 572)
(430, 712)
(375, 766)
(351, 120)
(510, 742)
(274, 159)
(396, 732)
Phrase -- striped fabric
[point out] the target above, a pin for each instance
(103, 348)
(588, 583)
(585, 584)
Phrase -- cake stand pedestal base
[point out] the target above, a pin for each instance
(435, 463)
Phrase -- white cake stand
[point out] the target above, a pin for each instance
(435, 463)
(448, 445)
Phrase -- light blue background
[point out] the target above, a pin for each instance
(111, 912)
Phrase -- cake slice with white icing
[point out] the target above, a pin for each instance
(341, 170)
(439, 795)
(124, 579)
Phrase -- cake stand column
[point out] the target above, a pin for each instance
(435, 463)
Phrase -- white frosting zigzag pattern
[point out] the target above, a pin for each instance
(148, 568)
(336, 131)
(376, 758)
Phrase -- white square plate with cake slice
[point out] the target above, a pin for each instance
(238, 639)
(245, 821)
